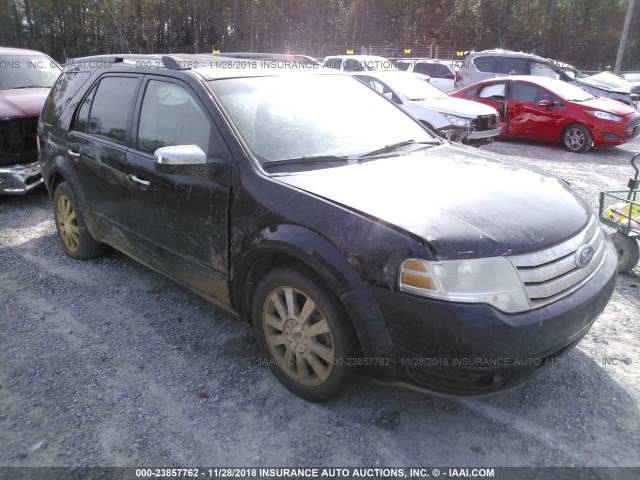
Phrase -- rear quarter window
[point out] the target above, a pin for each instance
(63, 90)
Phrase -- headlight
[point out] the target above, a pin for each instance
(459, 122)
(605, 116)
(483, 280)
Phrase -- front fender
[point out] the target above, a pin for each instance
(281, 243)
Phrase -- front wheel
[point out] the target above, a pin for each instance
(304, 334)
(577, 138)
(628, 252)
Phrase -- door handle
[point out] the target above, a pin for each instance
(139, 181)
(73, 154)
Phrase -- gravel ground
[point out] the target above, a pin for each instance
(106, 363)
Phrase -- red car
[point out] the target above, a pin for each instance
(546, 109)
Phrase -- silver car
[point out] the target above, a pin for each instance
(452, 118)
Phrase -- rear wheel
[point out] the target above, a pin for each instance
(304, 333)
(628, 251)
(577, 138)
(75, 238)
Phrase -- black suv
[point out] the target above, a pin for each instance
(312, 206)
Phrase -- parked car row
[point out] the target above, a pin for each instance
(26, 77)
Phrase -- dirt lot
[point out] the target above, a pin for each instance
(106, 363)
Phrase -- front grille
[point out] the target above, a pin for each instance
(632, 124)
(551, 274)
(18, 141)
(485, 122)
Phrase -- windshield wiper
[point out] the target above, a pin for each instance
(395, 146)
(308, 160)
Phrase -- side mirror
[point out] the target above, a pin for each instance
(184, 160)
(180, 155)
(546, 104)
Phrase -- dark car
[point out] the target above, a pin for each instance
(25, 79)
(551, 110)
(342, 228)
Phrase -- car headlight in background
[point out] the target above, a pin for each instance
(459, 122)
(494, 281)
(605, 115)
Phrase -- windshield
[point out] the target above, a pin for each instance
(567, 91)
(28, 71)
(310, 116)
(632, 77)
(412, 88)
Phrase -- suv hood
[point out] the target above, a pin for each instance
(456, 106)
(22, 102)
(464, 203)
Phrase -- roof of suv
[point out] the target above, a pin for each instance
(208, 66)
(506, 53)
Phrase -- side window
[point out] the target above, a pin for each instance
(441, 71)
(171, 116)
(471, 93)
(513, 66)
(110, 107)
(486, 64)
(423, 68)
(352, 65)
(495, 91)
(82, 117)
(333, 63)
(525, 92)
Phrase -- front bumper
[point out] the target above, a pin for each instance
(20, 179)
(457, 349)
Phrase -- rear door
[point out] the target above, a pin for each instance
(97, 147)
(179, 220)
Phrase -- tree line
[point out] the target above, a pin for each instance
(584, 33)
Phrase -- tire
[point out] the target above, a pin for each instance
(577, 138)
(628, 252)
(74, 236)
(304, 333)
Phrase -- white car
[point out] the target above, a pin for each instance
(442, 73)
(452, 118)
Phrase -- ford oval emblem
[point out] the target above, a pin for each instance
(584, 255)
